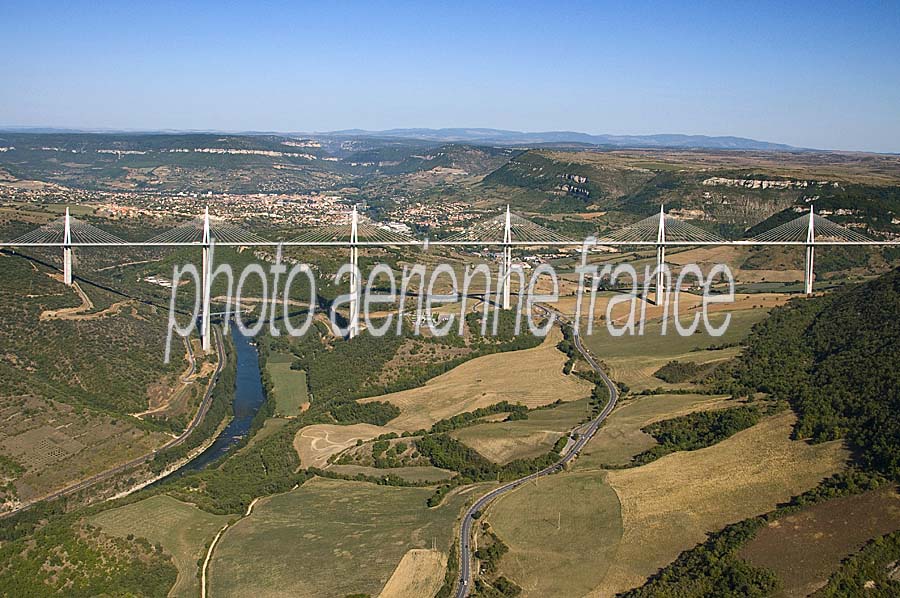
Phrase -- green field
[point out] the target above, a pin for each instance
(621, 437)
(502, 442)
(330, 538)
(289, 385)
(558, 545)
(183, 530)
(634, 359)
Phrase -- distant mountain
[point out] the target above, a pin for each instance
(499, 136)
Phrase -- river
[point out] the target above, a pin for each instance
(249, 396)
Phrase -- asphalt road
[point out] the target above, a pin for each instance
(465, 535)
(104, 475)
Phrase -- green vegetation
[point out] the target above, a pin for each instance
(840, 384)
(79, 561)
(533, 436)
(266, 467)
(340, 371)
(714, 569)
(489, 553)
(220, 407)
(377, 413)
(516, 412)
(345, 537)
(680, 371)
(99, 350)
(488, 584)
(183, 530)
(288, 385)
(696, 430)
(446, 452)
(869, 573)
(567, 346)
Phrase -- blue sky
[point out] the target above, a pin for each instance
(823, 75)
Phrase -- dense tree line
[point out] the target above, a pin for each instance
(339, 371)
(680, 371)
(696, 430)
(713, 567)
(378, 413)
(567, 346)
(462, 420)
(72, 559)
(834, 359)
(868, 573)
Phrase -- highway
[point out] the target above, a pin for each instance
(465, 534)
(104, 475)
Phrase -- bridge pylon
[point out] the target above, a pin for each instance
(809, 274)
(507, 259)
(205, 329)
(353, 326)
(660, 254)
(67, 250)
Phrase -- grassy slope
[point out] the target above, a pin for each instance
(344, 537)
(621, 437)
(803, 549)
(562, 532)
(634, 359)
(502, 442)
(532, 377)
(670, 504)
(289, 385)
(182, 529)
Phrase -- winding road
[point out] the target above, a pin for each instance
(465, 535)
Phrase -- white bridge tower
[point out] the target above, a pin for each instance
(67, 250)
(206, 241)
(353, 325)
(810, 253)
(660, 254)
(507, 259)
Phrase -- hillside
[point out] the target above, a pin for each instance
(835, 360)
(482, 135)
(730, 192)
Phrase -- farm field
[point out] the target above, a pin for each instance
(289, 385)
(642, 518)
(57, 445)
(669, 505)
(183, 530)
(559, 545)
(420, 573)
(344, 538)
(804, 548)
(502, 442)
(68, 385)
(621, 437)
(688, 305)
(532, 377)
(634, 359)
(314, 444)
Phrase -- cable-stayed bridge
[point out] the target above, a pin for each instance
(504, 231)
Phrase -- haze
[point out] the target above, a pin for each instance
(809, 75)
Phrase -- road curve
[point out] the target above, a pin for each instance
(103, 475)
(465, 534)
